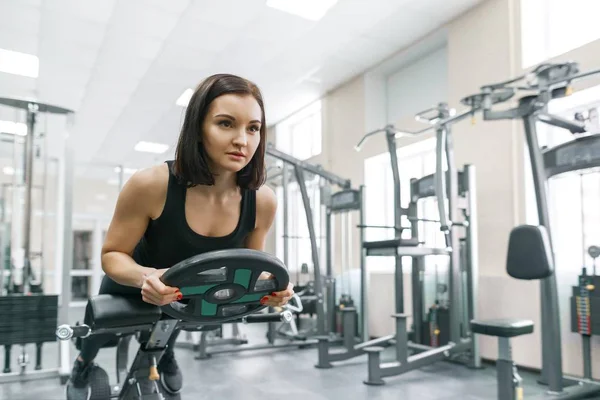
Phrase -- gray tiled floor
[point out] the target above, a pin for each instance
(290, 375)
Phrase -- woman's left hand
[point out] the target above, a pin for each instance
(278, 299)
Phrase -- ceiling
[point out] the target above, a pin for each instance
(122, 64)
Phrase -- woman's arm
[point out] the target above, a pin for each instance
(137, 204)
(266, 207)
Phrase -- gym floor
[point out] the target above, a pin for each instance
(289, 375)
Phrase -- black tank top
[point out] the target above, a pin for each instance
(169, 239)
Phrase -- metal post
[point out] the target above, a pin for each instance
(329, 282)
(364, 318)
(418, 269)
(398, 274)
(551, 344)
(64, 218)
(401, 338)
(31, 117)
(472, 258)
(286, 247)
(455, 274)
(586, 341)
(314, 249)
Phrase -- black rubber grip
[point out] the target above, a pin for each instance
(261, 318)
(80, 330)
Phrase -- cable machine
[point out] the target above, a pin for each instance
(30, 315)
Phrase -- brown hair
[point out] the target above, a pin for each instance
(191, 165)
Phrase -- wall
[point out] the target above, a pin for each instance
(482, 47)
(402, 98)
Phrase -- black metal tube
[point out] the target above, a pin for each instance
(364, 318)
(455, 282)
(398, 274)
(314, 249)
(31, 117)
(551, 343)
(273, 152)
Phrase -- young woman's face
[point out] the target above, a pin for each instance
(231, 131)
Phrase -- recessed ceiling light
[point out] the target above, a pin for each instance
(8, 170)
(185, 98)
(13, 128)
(13, 62)
(312, 10)
(149, 147)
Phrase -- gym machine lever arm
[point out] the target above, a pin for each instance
(67, 332)
(440, 182)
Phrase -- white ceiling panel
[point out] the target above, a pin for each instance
(227, 13)
(122, 64)
(358, 15)
(57, 56)
(115, 94)
(119, 42)
(170, 7)
(192, 35)
(121, 68)
(35, 3)
(182, 58)
(89, 10)
(24, 43)
(20, 17)
(58, 27)
(275, 26)
(137, 16)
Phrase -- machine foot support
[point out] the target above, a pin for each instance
(374, 377)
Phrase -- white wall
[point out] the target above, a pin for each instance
(482, 46)
(417, 86)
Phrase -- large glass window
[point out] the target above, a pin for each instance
(553, 27)
(414, 161)
(300, 134)
(298, 238)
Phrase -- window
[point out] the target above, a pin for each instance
(573, 197)
(299, 248)
(553, 27)
(414, 161)
(300, 134)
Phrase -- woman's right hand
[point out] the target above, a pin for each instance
(157, 293)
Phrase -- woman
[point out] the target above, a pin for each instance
(210, 197)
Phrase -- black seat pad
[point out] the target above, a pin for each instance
(110, 311)
(503, 327)
(391, 243)
(529, 253)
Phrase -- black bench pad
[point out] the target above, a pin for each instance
(503, 327)
(109, 311)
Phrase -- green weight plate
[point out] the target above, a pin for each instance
(223, 285)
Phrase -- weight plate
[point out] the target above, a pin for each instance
(223, 285)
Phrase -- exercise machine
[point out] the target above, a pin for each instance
(541, 85)
(29, 316)
(241, 343)
(217, 287)
(458, 223)
(325, 302)
(455, 194)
